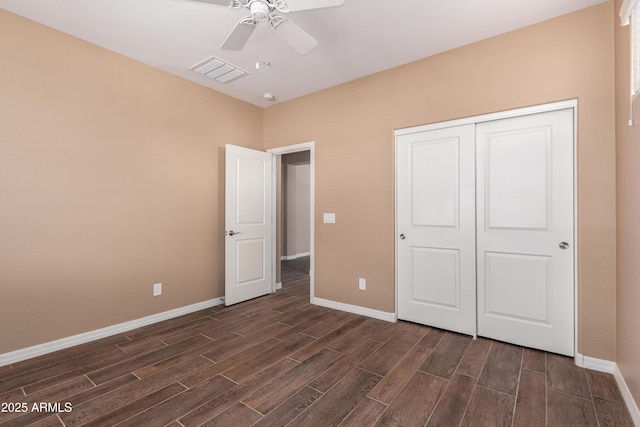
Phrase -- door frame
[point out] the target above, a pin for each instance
(296, 148)
(543, 108)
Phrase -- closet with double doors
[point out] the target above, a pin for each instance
(485, 226)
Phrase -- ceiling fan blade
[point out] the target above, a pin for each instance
(238, 37)
(296, 37)
(296, 5)
(218, 2)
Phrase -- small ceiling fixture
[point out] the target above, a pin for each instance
(219, 70)
(268, 97)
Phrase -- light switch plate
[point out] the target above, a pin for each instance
(329, 218)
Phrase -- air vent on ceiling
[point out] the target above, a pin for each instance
(219, 70)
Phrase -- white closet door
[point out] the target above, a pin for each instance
(525, 230)
(436, 228)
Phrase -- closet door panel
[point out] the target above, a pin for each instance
(436, 228)
(525, 230)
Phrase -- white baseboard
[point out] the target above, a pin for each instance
(626, 395)
(594, 364)
(356, 309)
(290, 257)
(40, 349)
(610, 367)
(278, 286)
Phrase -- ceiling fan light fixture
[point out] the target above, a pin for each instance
(259, 10)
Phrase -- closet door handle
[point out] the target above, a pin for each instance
(233, 233)
(402, 237)
(564, 245)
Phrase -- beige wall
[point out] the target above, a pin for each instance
(111, 179)
(628, 214)
(565, 58)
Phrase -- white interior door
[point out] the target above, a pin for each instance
(525, 230)
(436, 228)
(248, 224)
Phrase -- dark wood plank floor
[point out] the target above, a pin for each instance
(278, 360)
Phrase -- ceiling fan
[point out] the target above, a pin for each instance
(266, 10)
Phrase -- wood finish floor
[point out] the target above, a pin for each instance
(278, 360)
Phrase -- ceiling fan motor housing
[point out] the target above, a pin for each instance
(260, 10)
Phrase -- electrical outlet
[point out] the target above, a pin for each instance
(362, 284)
(157, 289)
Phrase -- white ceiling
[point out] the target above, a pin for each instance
(357, 39)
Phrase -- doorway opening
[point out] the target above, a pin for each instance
(293, 213)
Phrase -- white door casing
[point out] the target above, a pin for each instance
(248, 224)
(525, 230)
(436, 228)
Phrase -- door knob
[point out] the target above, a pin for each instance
(563, 245)
(233, 233)
(402, 237)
